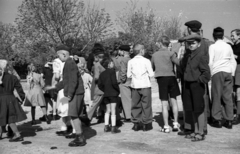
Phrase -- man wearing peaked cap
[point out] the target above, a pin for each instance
(192, 38)
(194, 25)
(125, 48)
(124, 51)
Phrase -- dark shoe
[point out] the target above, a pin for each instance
(43, 118)
(127, 120)
(16, 139)
(55, 117)
(147, 127)
(34, 122)
(107, 128)
(205, 132)
(236, 120)
(228, 124)
(47, 119)
(62, 133)
(184, 132)
(78, 141)
(119, 123)
(136, 127)
(115, 130)
(216, 124)
(72, 135)
(198, 137)
(190, 136)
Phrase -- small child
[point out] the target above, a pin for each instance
(87, 81)
(108, 84)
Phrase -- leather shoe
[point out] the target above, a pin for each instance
(16, 139)
(236, 120)
(228, 124)
(62, 133)
(136, 127)
(147, 127)
(184, 132)
(115, 130)
(216, 124)
(78, 141)
(69, 136)
(107, 128)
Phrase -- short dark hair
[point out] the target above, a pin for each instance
(218, 33)
(105, 62)
(165, 41)
(62, 47)
(237, 31)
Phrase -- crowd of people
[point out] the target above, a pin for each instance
(116, 87)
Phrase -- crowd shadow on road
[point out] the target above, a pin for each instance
(28, 130)
(89, 132)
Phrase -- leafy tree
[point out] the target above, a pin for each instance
(141, 25)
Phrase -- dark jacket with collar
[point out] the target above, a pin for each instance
(107, 82)
(72, 82)
(194, 64)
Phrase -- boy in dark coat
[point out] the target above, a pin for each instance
(108, 84)
(72, 84)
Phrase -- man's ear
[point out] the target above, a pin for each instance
(199, 44)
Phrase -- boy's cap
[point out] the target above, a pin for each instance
(194, 25)
(192, 38)
(63, 47)
(125, 48)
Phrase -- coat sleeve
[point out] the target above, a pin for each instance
(123, 71)
(204, 69)
(114, 81)
(19, 88)
(152, 62)
(59, 86)
(72, 81)
(174, 59)
(100, 83)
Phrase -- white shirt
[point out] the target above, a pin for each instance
(140, 70)
(221, 58)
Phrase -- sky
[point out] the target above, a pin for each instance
(211, 13)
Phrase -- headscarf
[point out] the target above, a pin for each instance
(3, 65)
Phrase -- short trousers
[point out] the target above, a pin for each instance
(168, 86)
(76, 106)
(111, 99)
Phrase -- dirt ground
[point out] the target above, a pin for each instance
(42, 138)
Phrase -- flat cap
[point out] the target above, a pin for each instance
(194, 25)
(193, 37)
(62, 47)
(125, 48)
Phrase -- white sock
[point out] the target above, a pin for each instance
(106, 118)
(63, 128)
(74, 131)
(113, 120)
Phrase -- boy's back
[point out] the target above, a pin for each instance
(108, 83)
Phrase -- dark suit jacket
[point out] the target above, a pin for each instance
(194, 64)
(107, 82)
(72, 82)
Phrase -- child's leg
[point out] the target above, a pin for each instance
(175, 109)
(44, 110)
(107, 114)
(54, 107)
(33, 108)
(77, 125)
(14, 129)
(73, 130)
(165, 112)
(113, 113)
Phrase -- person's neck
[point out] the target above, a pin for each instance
(218, 39)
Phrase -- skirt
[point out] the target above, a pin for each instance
(35, 97)
(63, 104)
(10, 110)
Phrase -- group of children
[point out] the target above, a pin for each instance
(125, 73)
